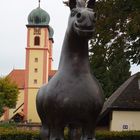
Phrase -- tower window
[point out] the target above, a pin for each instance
(36, 59)
(35, 81)
(37, 41)
(35, 70)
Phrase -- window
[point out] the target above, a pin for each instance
(35, 70)
(36, 59)
(37, 41)
(35, 81)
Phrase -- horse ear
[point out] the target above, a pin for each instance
(70, 3)
(80, 3)
(90, 3)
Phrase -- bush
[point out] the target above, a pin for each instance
(8, 125)
(124, 135)
(14, 134)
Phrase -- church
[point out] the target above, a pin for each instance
(38, 67)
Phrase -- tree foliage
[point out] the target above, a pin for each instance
(8, 94)
(116, 42)
(119, 19)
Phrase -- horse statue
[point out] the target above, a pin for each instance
(73, 97)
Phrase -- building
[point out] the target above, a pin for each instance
(122, 109)
(38, 69)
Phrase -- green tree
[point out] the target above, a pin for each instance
(119, 18)
(110, 66)
(116, 42)
(99, 64)
(8, 94)
(118, 67)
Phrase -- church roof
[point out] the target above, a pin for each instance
(126, 97)
(52, 72)
(38, 17)
(18, 76)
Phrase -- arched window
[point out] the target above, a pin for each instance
(37, 41)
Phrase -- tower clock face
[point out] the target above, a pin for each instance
(37, 31)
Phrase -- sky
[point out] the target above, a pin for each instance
(13, 31)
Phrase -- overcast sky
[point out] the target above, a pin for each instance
(13, 31)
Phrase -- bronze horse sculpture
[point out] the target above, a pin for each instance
(73, 97)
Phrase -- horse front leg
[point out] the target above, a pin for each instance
(44, 132)
(88, 133)
(57, 132)
(74, 133)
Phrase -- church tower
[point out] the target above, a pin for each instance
(38, 59)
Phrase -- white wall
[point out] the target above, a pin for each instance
(125, 120)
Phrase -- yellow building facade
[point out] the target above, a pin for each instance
(37, 63)
(38, 68)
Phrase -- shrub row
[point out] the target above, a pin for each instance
(14, 134)
(124, 135)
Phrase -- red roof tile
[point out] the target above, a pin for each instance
(52, 72)
(18, 76)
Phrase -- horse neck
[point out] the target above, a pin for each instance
(74, 55)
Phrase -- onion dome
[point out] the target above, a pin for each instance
(51, 32)
(38, 16)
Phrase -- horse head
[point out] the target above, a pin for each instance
(82, 17)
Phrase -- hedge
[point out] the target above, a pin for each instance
(14, 134)
(124, 135)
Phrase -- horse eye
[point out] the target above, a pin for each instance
(73, 12)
